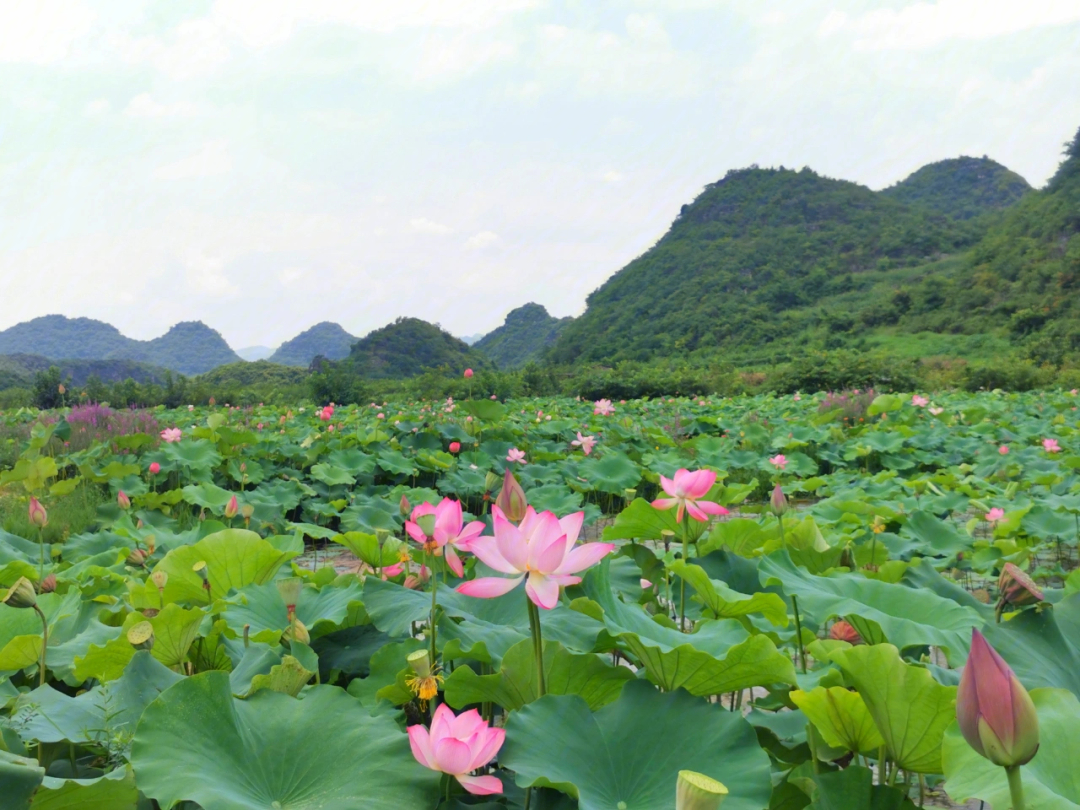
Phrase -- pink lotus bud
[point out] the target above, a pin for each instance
(38, 516)
(995, 713)
(511, 499)
(122, 500)
(778, 502)
(404, 506)
(468, 374)
(155, 468)
(455, 447)
(232, 508)
(843, 631)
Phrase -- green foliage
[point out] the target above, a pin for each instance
(527, 331)
(409, 346)
(324, 339)
(962, 188)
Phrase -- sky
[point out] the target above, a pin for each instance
(264, 165)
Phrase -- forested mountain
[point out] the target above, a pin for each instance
(962, 188)
(254, 353)
(326, 339)
(190, 347)
(410, 346)
(18, 370)
(524, 335)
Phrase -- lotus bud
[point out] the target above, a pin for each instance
(695, 791)
(290, 589)
(296, 631)
(232, 508)
(61, 389)
(404, 506)
(21, 594)
(512, 499)
(38, 516)
(778, 502)
(843, 631)
(122, 500)
(490, 480)
(468, 373)
(1017, 588)
(160, 579)
(995, 713)
(141, 636)
(155, 468)
(136, 557)
(48, 585)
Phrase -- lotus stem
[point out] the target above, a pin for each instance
(41, 553)
(538, 647)
(1016, 787)
(780, 521)
(434, 606)
(44, 645)
(798, 633)
(682, 580)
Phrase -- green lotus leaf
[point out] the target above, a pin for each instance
(630, 752)
(614, 473)
(587, 676)
(937, 538)
(349, 650)
(262, 608)
(19, 779)
(853, 788)
(911, 709)
(175, 629)
(484, 409)
(198, 454)
(906, 621)
(234, 558)
(331, 475)
(395, 463)
(20, 629)
(386, 679)
(739, 535)
(197, 742)
(1042, 647)
(114, 791)
(288, 678)
(366, 547)
(842, 718)
(724, 603)
(207, 495)
(640, 521)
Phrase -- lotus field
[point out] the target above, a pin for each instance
(829, 601)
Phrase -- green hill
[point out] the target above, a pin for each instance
(326, 339)
(408, 347)
(527, 331)
(962, 188)
(254, 373)
(18, 370)
(190, 347)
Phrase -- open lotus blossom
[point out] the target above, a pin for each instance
(603, 407)
(994, 515)
(1051, 446)
(586, 443)
(448, 531)
(779, 461)
(686, 491)
(516, 455)
(170, 435)
(935, 411)
(919, 401)
(457, 745)
(541, 551)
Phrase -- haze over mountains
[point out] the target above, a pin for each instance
(762, 263)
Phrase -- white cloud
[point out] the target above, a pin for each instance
(205, 275)
(194, 49)
(213, 159)
(41, 31)
(99, 106)
(481, 240)
(144, 106)
(924, 24)
(424, 225)
(290, 275)
(612, 176)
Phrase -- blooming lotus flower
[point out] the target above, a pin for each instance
(586, 443)
(1051, 446)
(154, 468)
(458, 744)
(444, 532)
(170, 435)
(995, 713)
(686, 491)
(38, 516)
(516, 455)
(994, 515)
(603, 407)
(779, 461)
(541, 551)
(919, 401)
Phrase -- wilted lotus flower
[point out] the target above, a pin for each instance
(48, 585)
(136, 558)
(511, 499)
(38, 516)
(696, 791)
(20, 595)
(778, 502)
(232, 508)
(122, 500)
(843, 631)
(1017, 589)
(995, 713)
(457, 745)
(159, 578)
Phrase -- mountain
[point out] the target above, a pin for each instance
(527, 331)
(326, 339)
(471, 340)
(961, 188)
(408, 347)
(18, 370)
(253, 373)
(190, 347)
(756, 245)
(254, 353)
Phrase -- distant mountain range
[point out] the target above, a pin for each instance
(523, 337)
(324, 339)
(254, 353)
(409, 346)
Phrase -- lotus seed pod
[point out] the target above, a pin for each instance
(426, 524)
(203, 572)
(246, 511)
(21, 594)
(382, 535)
(141, 636)
(695, 791)
(290, 589)
(160, 579)
(420, 663)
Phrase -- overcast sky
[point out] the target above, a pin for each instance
(262, 165)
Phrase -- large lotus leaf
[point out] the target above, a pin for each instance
(234, 558)
(910, 708)
(48, 715)
(114, 791)
(331, 475)
(175, 629)
(262, 608)
(197, 742)
(19, 779)
(366, 547)
(20, 629)
(641, 521)
(740, 535)
(1051, 780)
(393, 608)
(842, 718)
(349, 650)
(724, 603)
(1042, 647)
(196, 454)
(386, 677)
(614, 473)
(208, 496)
(629, 753)
(937, 538)
(853, 789)
(907, 620)
(514, 685)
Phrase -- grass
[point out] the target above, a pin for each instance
(69, 514)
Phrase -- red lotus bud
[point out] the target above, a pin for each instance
(122, 500)
(232, 508)
(38, 516)
(995, 713)
(155, 468)
(455, 447)
(404, 506)
(511, 499)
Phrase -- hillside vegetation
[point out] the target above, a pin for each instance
(523, 337)
(408, 347)
(324, 339)
(961, 188)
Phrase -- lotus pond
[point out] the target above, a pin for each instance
(828, 601)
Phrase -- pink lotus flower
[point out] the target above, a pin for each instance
(455, 447)
(516, 455)
(380, 416)
(448, 531)
(797, 397)
(459, 744)
(122, 500)
(170, 435)
(779, 461)
(155, 468)
(1004, 449)
(38, 516)
(603, 407)
(232, 508)
(686, 491)
(919, 401)
(586, 443)
(541, 551)
(468, 374)
(994, 515)
(935, 411)
(1051, 446)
